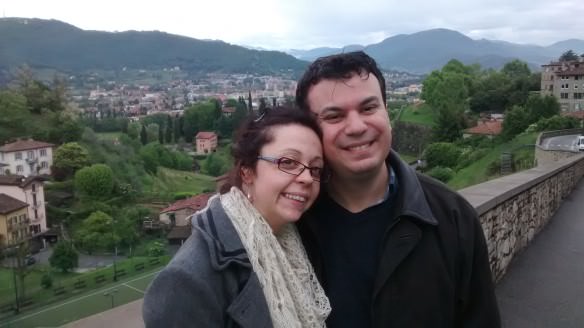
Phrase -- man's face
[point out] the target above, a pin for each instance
(355, 124)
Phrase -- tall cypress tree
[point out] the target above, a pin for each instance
(143, 135)
(168, 136)
(249, 104)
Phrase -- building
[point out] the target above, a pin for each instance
(14, 222)
(29, 190)
(565, 81)
(206, 142)
(26, 157)
(177, 213)
(489, 128)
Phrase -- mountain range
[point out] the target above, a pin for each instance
(425, 51)
(54, 44)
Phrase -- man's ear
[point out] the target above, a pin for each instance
(246, 175)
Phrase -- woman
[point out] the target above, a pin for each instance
(244, 264)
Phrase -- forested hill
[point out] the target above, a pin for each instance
(54, 44)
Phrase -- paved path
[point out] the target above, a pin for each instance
(568, 143)
(127, 316)
(544, 286)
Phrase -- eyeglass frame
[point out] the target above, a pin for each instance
(276, 160)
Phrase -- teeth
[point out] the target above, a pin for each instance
(295, 197)
(359, 147)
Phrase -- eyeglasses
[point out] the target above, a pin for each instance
(290, 166)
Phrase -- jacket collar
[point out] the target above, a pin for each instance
(410, 200)
(225, 246)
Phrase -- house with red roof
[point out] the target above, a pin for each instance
(26, 157)
(206, 142)
(489, 128)
(177, 213)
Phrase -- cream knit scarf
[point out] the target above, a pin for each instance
(293, 293)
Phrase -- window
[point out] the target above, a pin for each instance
(43, 152)
(19, 168)
(578, 95)
(30, 154)
(33, 187)
(18, 156)
(576, 77)
(44, 165)
(564, 95)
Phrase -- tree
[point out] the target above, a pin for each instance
(516, 121)
(249, 103)
(168, 130)
(95, 181)
(13, 115)
(69, 158)
(538, 107)
(143, 135)
(568, 56)
(64, 257)
(516, 69)
(152, 132)
(214, 165)
(441, 154)
(134, 130)
(97, 232)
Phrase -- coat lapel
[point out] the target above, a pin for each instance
(401, 240)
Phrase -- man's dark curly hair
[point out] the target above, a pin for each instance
(337, 67)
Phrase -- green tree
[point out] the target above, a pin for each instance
(441, 154)
(539, 107)
(13, 115)
(168, 130)
(568, 56)
(214, 165)
(516, 69)
(134, 130)
(515, 122)
(64, 257)
(95, 181)
(97, 232)
(69, 158)
(152, 132)
(143, 135)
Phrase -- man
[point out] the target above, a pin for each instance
(392, 248)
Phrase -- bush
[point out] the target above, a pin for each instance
(443, 174)
(95, 181)
(156, 248)
(443, 154)
(557, 123)
(47, 281)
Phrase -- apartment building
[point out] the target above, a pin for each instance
(26, 157)
(565, 81)
(14, 223)
(29, 190)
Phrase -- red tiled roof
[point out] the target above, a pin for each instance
(196, 203)
(492, 128)
(206, 135)
(9, 204)
(228, 110)
(25, 145)
(579, 114)
(573, 71)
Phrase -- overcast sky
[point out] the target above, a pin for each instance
(305, 24)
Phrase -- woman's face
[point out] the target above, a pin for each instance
(279, 196)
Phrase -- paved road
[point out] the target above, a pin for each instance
(544, 286)
(561, 143)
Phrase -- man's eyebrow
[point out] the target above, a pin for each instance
(369, 100)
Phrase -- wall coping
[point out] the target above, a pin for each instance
(489, 194)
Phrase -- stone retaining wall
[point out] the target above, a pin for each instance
(514, 208)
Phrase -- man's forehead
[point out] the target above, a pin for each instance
(343, 92)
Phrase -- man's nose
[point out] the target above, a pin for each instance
(355, 123)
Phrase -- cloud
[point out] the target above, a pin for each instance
(303, 24)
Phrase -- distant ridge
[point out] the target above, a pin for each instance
(51, 43)
(425, 51)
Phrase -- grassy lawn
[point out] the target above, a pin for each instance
(84, 305)
(108, 135)
(478, 171)
(74, 285)
(420, 115)
(171, 181)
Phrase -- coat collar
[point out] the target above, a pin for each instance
(225, 246)
(410, 200)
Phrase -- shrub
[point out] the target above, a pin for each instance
(443, 154)
(443, 174)
(156, 248)
(95, 181)
(47, 281)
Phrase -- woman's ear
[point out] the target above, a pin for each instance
(247, 175)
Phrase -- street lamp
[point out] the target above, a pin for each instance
(111, 294)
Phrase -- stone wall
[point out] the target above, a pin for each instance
(546, 157)
(514, 208)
